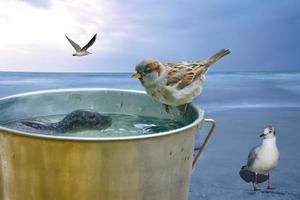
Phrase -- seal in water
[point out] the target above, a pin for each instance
(74, 121)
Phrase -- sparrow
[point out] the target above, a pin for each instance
(175, 84)
(261, 160)
(82, 51)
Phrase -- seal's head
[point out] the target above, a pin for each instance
(96, 120)
(86, 119)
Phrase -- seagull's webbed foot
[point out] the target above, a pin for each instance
(269, 185)
(255, 189)
(270, 188)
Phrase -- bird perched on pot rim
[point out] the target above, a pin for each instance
(82, 51)
(175, 84)
(261, 160)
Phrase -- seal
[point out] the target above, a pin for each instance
(74, 121)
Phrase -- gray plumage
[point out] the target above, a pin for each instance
(252, 156)
(249, 176)
(82, 51)
(261, 159)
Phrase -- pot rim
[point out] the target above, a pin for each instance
(195, 123)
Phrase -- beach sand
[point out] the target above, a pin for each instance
(216, 173)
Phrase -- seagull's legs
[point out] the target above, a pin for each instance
(269, 185)
(255, 189)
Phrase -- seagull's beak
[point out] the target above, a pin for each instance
(262, 135)
(136, 75)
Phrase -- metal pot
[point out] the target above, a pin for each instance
(47, 167)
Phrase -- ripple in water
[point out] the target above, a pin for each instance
(122, 125)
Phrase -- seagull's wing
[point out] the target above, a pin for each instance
(90, 43)
(246, 174)
(249, 176)
(76, 46)
(183, 75)
(252, 155)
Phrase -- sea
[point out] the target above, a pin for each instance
(242, 104)
(222, 91)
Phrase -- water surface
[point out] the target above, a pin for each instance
(122, 125)
(222, 91)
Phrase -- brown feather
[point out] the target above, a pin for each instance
(184, 75)
(154, 66)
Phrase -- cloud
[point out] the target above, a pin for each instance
(39, 3)
(261, 35)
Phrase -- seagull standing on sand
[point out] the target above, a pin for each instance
(261, 160)
(82, 51)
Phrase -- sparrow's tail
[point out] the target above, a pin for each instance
(216, 57)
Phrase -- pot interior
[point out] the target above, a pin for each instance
(104, 101)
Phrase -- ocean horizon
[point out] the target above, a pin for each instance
(222, 90)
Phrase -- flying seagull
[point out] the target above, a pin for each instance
(82, 51)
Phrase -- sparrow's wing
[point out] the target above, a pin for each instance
(183, 75)
(76, 46)
(90, 43)
(176, 73)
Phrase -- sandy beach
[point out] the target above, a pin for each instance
(216, 174)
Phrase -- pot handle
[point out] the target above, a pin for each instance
(212, 129)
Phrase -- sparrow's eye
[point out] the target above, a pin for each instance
(270, 131)
(147, 70)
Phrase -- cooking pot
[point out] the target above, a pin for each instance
(49, 167)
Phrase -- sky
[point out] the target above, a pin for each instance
(262, 35)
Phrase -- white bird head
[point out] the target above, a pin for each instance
(269, 132)
(149, 71)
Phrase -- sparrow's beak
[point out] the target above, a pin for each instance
(262, 135)
(136, 75)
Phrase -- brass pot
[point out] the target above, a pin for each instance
(47, 167)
